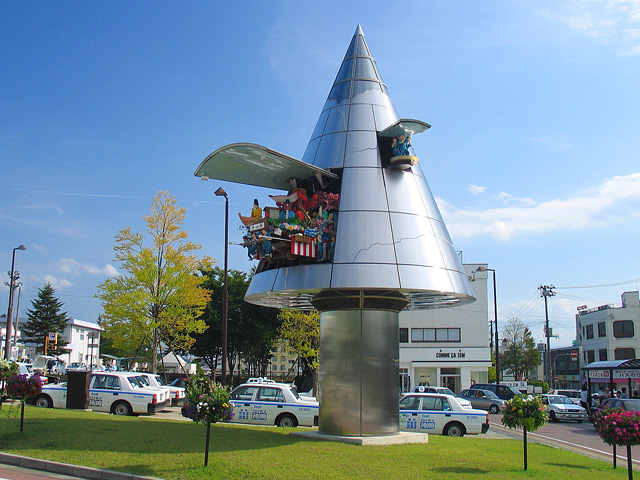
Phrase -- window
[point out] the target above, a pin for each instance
(589, 331)
(435, 403)
(410, 403)
(591, 356)
(435, 335)
(602, 353)
(623, 329)
(404, 335)
(624, 353)
(270, 394)
(602, 329)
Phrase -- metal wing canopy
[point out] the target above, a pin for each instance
(404, 126)
(252, 164)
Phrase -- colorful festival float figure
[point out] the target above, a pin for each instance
(395, 141)
(301, 228)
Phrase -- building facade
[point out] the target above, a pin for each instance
(447, 347)
(610, 333)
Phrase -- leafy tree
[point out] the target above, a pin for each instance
(158, 298)
(45, 317)
(251, 330)
(521, 355)
(301, 329)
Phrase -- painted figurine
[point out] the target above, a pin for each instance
(401, 145)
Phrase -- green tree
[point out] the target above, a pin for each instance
(301, 330)
(44, 318)
(158, 298)
(251, 330)
(521, 355)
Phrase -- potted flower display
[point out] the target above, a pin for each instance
(7, 369)
(617, 427)
(22, 387)
(526, 413)
(207, 402)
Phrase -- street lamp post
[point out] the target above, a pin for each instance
(495, 310)
(225, 293)
(12, 285)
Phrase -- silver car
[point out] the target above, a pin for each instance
(483, 399)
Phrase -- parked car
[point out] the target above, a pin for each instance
(560, 407)
(270, 403)
(27, 369)
(176, 393)
(505, 392)
(179, 382)
(73, 366)
(626, 404)
(120, 393)
(440, 414)
(443, 390)
(574, 395)
(483, 399)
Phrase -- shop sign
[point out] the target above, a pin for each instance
(626, 374)
(452, 354)
(598, 373)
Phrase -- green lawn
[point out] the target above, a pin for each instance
(172, 449)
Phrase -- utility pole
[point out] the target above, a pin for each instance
(547, 291)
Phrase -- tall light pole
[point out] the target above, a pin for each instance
(12, 286)
(225, 293)
(495, 312)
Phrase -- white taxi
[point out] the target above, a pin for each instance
(440, 414)
(177, 394)
(269, 403)
(119, 393)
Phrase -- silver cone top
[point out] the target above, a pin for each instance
(389, 235)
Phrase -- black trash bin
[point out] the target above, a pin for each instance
(78, 389)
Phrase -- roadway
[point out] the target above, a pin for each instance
(581, 438)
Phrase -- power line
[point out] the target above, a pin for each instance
(602, 284)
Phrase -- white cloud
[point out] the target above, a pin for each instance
(476, 189)
(55, 282)
(614, 22)
(69, 266)
(614, 201)
(552, 143)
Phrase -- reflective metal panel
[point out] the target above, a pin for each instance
(365, 91)
(384, 116)
(331, 151)
(364, 237)
(310, 152)
(362, 189)
(430, 278)
(310, 277)
(322, 121)
(361, 150)
(432, 209)
(415, 241)
(338, 118)
(361, 118)
(358, 372)
(346, 70)
(403, 193)
(367, 275)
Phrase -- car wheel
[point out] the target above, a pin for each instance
(552, 416)
(494, 409)
(43, 401)
(286, 420)
(121, 408)
(454, 429)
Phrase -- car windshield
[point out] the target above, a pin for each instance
(491, 395)
(559, 399)
(446, 391)
(159, 379)
(137, 382)
(294, 392)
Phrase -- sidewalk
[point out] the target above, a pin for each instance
(77, 471)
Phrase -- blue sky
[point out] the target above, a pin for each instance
(532, 155)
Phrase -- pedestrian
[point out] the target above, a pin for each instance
(623, 393)
(584, 398)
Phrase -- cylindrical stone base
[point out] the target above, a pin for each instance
(359, 372)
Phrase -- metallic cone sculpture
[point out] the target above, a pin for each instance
(382, 248)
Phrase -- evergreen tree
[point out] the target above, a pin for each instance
(46, 317)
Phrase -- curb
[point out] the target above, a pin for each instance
(88, 473)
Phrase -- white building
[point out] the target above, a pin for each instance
(83, 342)
(447, 347)
(608, 332)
